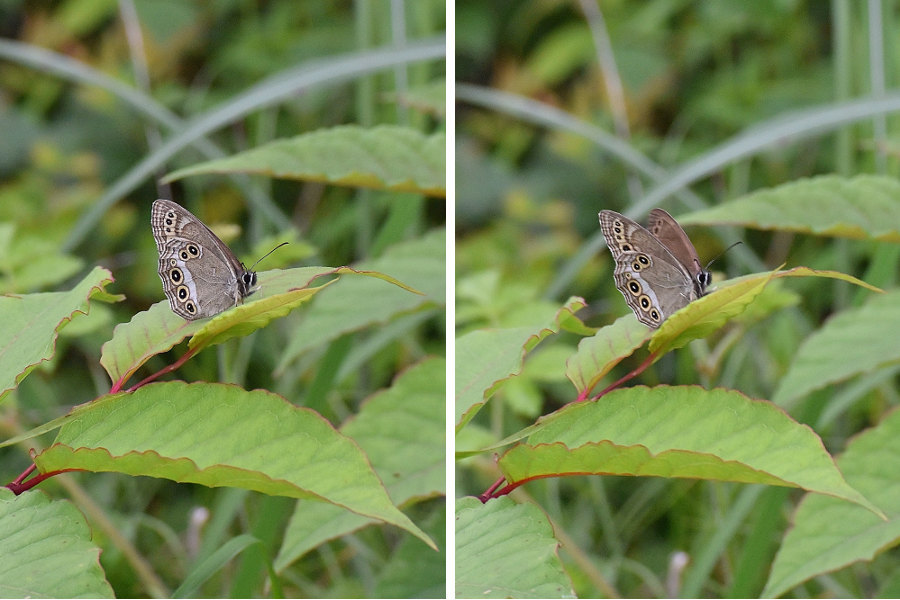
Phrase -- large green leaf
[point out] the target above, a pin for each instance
(47, 550)
(358, 303)
(158, 329)
(221, 435)
(677, 432)
(506, 550)
(487, 357)
(862, 207)
(828, 533)
(31, 324)
(384, 157)
(402, 432)
(823, 358)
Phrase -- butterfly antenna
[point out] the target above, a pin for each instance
(709, 264)
(267, 253)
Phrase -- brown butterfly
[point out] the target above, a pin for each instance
(201, 276)
(657, 269)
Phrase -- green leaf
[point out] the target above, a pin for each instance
(677, 432)
(159, 329)
(598, 354)
(420, 263)
(220, 435)
(828, 533)
(861, 207)
(704, 315)
(487, 357)
(807, 272)
(516, 559)
(707, 314)
(31, 324)
(823, 358)
(311, 525)
(31, 262)
(282, 296)
(47, 550)
(41, 429)
(402, 431)
(387, 157)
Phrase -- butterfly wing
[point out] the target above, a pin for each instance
(667, 230)
(654, 283)
(201, 276)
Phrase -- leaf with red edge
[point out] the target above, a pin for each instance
(685, 432)
(221, 435)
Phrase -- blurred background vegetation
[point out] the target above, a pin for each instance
(76, 183)
(563, 109)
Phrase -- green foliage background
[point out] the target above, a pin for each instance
(712, 93)
(76, 184)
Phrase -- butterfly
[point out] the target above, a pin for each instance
(657, 269)
(201, 276)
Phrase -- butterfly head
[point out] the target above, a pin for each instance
(248, 277)
(703, 276)
(248, 281)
